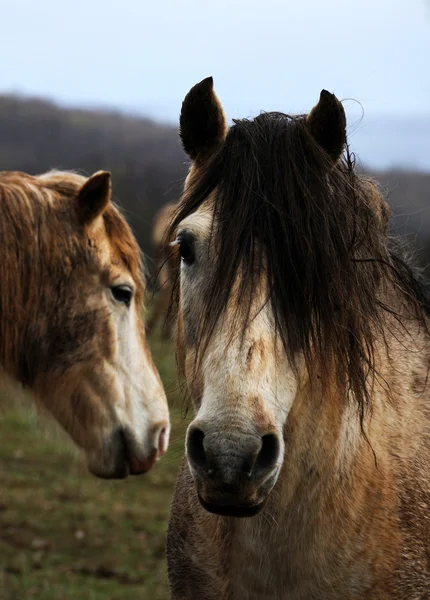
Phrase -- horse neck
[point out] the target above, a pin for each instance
(19, 279)
(330, 457)
(339, 488)
(322, 437)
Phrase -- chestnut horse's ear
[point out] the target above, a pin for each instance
(327, 123)
(202, 124)
(93, 197)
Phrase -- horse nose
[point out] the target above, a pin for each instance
(232, 456)
(140, 461)
(161, 439)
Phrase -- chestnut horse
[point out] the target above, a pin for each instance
(303, 336)
(166, 267)
(71, 323)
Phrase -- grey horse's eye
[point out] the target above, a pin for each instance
(185, 241)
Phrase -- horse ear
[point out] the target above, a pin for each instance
(93, 197)
(202, 124)
(327, 124)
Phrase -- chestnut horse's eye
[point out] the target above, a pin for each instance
(122, 293)
(185, 243)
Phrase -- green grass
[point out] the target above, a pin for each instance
(66, 535)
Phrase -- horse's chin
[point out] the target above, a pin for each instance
(230, 510)
(111, 460)
(107, 469)
(120, 456)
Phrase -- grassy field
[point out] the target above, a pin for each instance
(65, 535)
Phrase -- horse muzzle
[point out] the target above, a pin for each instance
(233, 472)
(123, 455)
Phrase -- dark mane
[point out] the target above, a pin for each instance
(319, 233)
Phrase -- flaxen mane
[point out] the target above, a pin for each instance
(30, 226)
(318, 231)
(72, 327)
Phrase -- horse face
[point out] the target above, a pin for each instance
(249, 283)
(93, 370)
(240, 381)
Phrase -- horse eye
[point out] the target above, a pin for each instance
(186, 248)
(122, 293)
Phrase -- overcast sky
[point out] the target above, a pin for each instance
(144, 55)
(271, 54)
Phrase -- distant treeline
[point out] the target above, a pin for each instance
(147, 163)
(145, 158)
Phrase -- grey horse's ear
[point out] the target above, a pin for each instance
(327, 124)
(202, 124)
(93, 197)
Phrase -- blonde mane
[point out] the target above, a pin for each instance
(40, 239)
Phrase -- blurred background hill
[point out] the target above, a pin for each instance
(149, 166)
(145, 157)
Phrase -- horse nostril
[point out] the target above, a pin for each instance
(162, 441)
(195, 450)
(269, 453)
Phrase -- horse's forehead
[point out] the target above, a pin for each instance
(50, 198)
(106, 250)
(199, 222)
